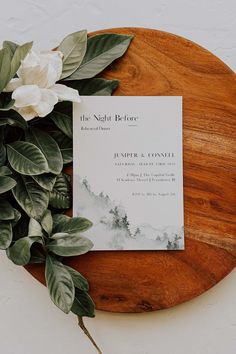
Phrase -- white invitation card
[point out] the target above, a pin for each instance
(128, 171)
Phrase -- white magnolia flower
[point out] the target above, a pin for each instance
(35, 90)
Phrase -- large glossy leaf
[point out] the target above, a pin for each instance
(5, 171)
(79, 281)
(37, 256)
(2, 147)
(46, 181)
(102, 50)
(5, 67)
(4, 121)
(59, 218)
(5, 235)
(65, 107)
(20, 253)
(6, 184)
(48, 146)
(67, 245)
(63, 122)
(65, 145)
(60, 197)
(83, 304)
(34, 228)
(20, 229)
(73, 48)
(14, 119)
(47, 222)
(60, 284)
(6, 105)
(20, 53)
(17, 217)
(31, 197)
(94, 87)
(70, 225)
(14, 53)
(11, 46)
(6, 210)
(26, 158)
(2, 154)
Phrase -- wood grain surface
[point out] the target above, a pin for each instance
(160, 63)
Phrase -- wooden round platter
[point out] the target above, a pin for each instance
(162, 64)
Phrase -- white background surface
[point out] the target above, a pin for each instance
(29, 323)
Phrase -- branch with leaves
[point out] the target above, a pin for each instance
(35, 146)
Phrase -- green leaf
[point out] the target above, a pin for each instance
(6, 106)
(20, 53)
(94, 87)
(59, 218)
(102, 50)
(83, 304)
(20, 253)
(18, 120)
(46, 181)
(47, 222)
(2, 153)
(65, 145)
(4, 121)
(70, 225)
(68, 245)
(60, 197)
(60, 284)
(79, 281)
(5, 235)
(48, 146)
(31, 197)
(26, 158)
(34, 228)
(17, 217)
(11, 46)
(63, 122)
(2, 147)
(37, 256)
(14, 119)
(65, 107)
(73, 48)
(5, 171)
(5, 67)
(6, 184)
(20, 229)
(6, 210)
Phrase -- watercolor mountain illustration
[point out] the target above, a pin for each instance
(111, 227)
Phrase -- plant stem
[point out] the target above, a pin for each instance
(86, 332)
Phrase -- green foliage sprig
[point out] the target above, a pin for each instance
(34, 189)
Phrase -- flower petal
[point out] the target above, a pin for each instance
(53, 58)
(31, 60)
(42, 76)
(27, 113)
(26, 95)
(42, 69)
(65, 93)
(47, 102)
(51, 76)
(13, 84)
